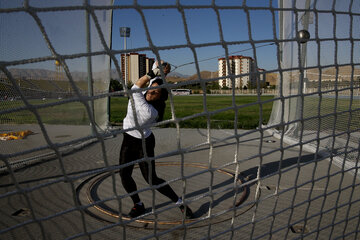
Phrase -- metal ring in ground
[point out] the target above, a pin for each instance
(96, 180)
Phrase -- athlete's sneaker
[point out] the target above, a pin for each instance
(137, 210)
(188, 214)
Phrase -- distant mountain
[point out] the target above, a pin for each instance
(203, 75)
(32, 73)
(344, 74)
(271, 78)
(176, 74)
(44, 74)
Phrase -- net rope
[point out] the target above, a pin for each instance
(303, 120)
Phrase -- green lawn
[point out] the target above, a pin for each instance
(67, 113)
(221, 111)
(345, 110)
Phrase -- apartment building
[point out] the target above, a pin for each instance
(222, 73)
(241, 67)
(135, 65)
(149, 63)
(262, 77)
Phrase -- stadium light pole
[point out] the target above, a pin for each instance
(125, 33)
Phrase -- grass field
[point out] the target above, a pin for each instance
(329, 120)
(68, 113)
(220, 110)
(184, 106)
(188, 106)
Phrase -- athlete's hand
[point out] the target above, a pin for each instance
(156, 71)
(153, 73)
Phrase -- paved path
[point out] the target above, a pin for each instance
(269, 207)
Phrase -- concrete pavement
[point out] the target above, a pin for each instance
(80, 195)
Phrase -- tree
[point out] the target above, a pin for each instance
(212, 85)
(115, 85)
(253, 85)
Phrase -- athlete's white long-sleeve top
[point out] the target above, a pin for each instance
(145, 113)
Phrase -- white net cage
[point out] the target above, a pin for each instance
(293, 174)
(319, 89)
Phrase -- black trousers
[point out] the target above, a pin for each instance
(131, 149)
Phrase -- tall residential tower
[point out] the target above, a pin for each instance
(137, 65)
(243, 69)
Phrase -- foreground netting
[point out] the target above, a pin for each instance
(241, 184)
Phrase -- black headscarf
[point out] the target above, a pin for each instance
(160, 104)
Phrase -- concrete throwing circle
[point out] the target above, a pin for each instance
(210, 195)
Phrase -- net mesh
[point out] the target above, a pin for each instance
(61, 181)
(319, 89)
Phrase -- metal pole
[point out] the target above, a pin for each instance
(300, 106)
(281, 27)
(89, 65)
(125, 32)
(109, 98)
(125, 58)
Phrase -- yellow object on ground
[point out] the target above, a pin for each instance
(14, 135)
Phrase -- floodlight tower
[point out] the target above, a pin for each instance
(58, 69)
(125, 33)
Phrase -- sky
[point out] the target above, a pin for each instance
(166, 29)
(21, 38)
